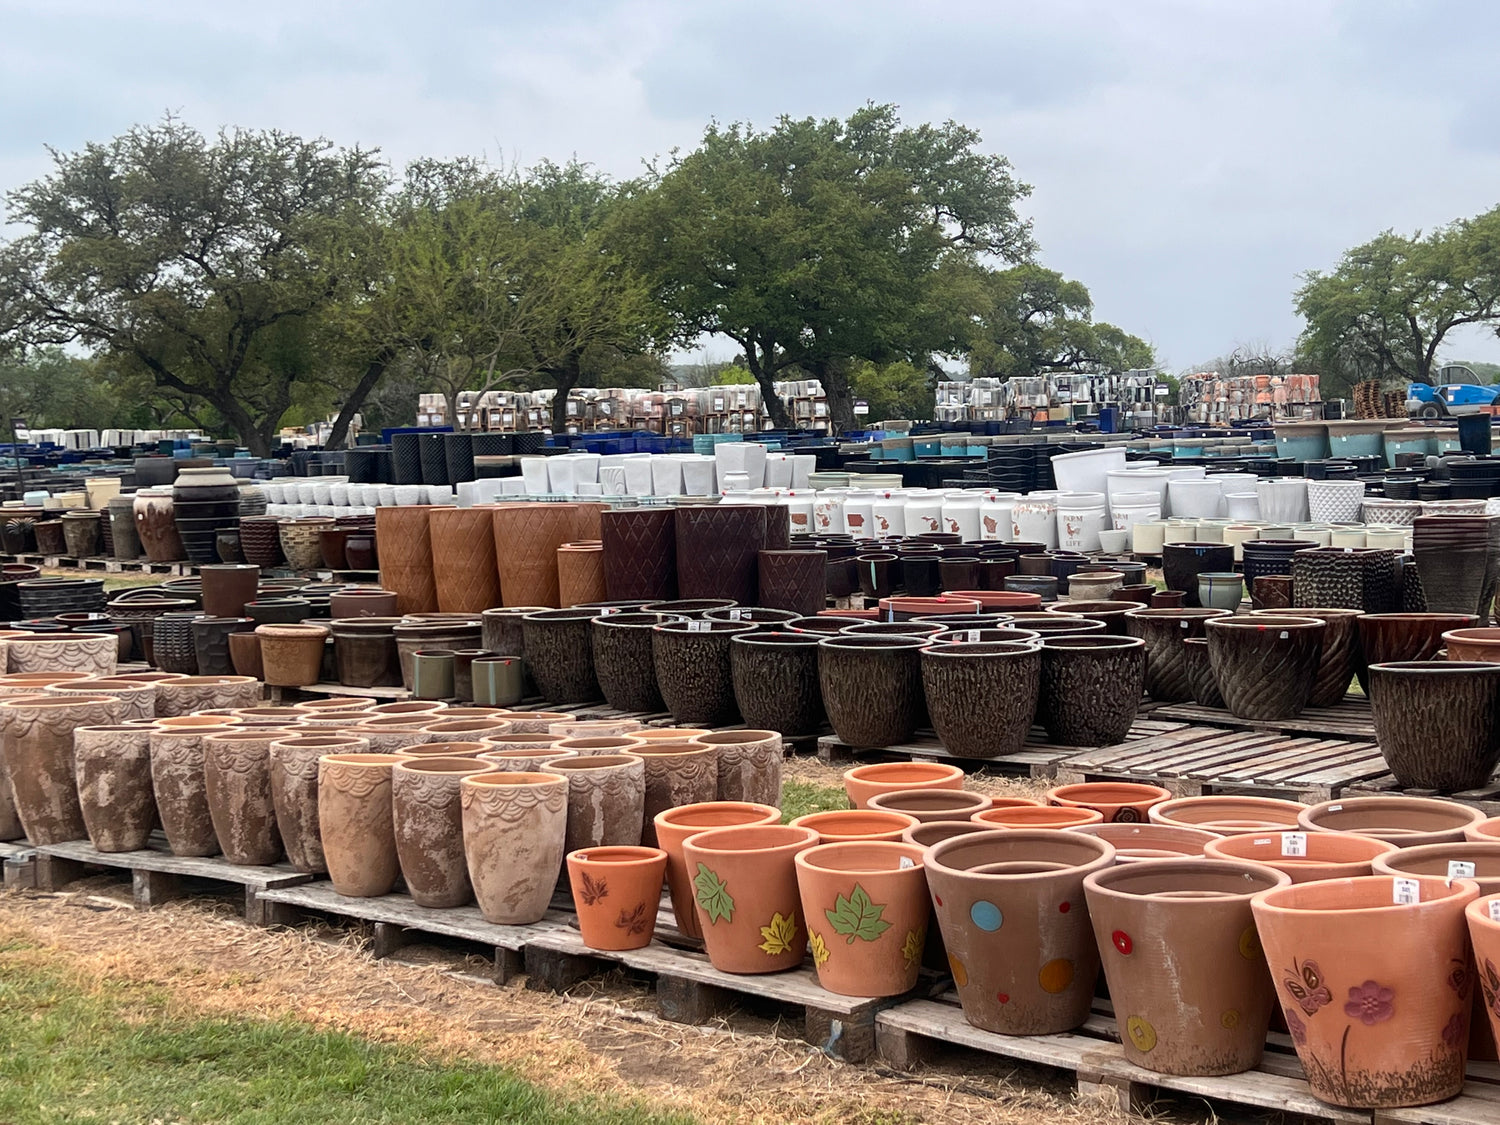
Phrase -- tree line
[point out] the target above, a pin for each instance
(254, 279)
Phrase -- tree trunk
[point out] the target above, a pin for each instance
(564, 376)
(835, 379)
(356, 400)
(765, 378)
(245, 426)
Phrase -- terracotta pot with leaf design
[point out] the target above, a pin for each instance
(616, 891)
(514, 824)
(673, 826)
(868, 914)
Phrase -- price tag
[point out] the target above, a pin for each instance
(1294, 844)
(973, 636)
(607, 610)
(906, 862)
(700, 627)
(1183, 624)
(1348, 550)
(1284, 635)
(1406, 892)
(1460, 869)
(890, 613)
(736, 615)
(1495, 910)
(1261, 841)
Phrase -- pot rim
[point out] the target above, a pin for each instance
(617, 855)
(1244, 624)
(460, 767)
(515, 778)
(1429, 667)
(1466, 850)
(937, 853)
(743, 737)
(1281, 900)
(1107, 882)
(777, 637)
(834, 818)
(945, 800)
(371, 761)
(998, 650)
(870, 774)
(1089, 641)
(593, 762)
(523, 736)
(871, 857)
(997, 815)
(741, 838)
(684, 748)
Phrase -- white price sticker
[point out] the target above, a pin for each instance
(607, 610)
(1294, 844)
(1460, 869)
(1184, 624)
(1406, 892)
(700, 627)
(1284, 635)
(1495, 910)
(736, 615)
(906, 862)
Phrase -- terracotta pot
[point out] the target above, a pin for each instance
(616, 891)
(1117, 801)
(1265, 671)
(693, 673)
(1090, 688)
(92, 653)
(515, 759)
(237, 782)
(336, 703)
(676, 773)
(623, 663)
(1376, 1012)
(933, 805)
(674, 825)
(154, 525)
(362, 601)
(745, 893)
(872, 687)
(1183, 962)
(863, 782)
(406, 564)
(464, 571)
(356, 824)
(1010, 905)
(1036, 816)
(365, 652)
(137, 701)
(514, 826)
(388, 734)
(867, 913)
(560, 653)
(292, 655)
(1484, 830)
(526, 539)
(775, 678)
(1304, 856)
(464, 730)
(840, 825)
(294, 793)
(580, 573)
(606, 799)
(36, 683)
(1134, 843)
(186, 695)
(667, 734)
(1164, 630)
(537, 722)
(597, 744)
(181, 787)
(112, 767)
(598, 728)
(1228, 816)
(1407, 821)
(640, 553)
(428, 819)
(909, 609)
(932, 832)
(1386, 638)
(445, 750)
(718, 548)
(749, 764)
(1437, 721)
(1005, 674)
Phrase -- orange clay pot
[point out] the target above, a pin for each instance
(1409, 821)
(867, 913)
(1325, 855)
(938, 804)
(1229, 815)
(673, 826)
(1118, 801)
(1136, 842)
(864, 782)
(1484, 932)
(616, 891)
(1037, 816)
(1484, 830)
(840, 825)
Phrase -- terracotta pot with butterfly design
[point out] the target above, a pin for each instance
(617, 891)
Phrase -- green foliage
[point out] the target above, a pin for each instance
(857, 916)
(893, 390)
(52, 389)
(1485, 372)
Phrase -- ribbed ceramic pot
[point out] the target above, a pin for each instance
(676, 773)
(560, 654)
(623, 661)
(137, 701)
(1183, 962)
(428, 813)
(606, 799)
(1183, 562)
(717, 550)
(406, 564)
(172, 648)
(1005, 675)
(177, 778)
(187, 695)
(1338, 657)
(1265, 670)
(95, 654)
(1387, 638)
(514, 828)
(112, 766)
(526, 538)
(364, 651)
(1456, 559)
(38, 743)
(355, 823)
(463, 559)
(693, 671)
(872, 687)
(1090, 688)
(640, 553)
(260, 541)
(1437, 722)
(237, 778)
(294, 793)
(1200, 672)
(1164, 630)
(775, 678)
(793, 580)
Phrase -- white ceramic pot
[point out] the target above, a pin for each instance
(1134, 481)
(1334, 501)
(1080, 518)
(612, 480)
(1346, 537)
(1242, 505)
(889, 515)
(1195, 499)
(387, 494)
(1147, 537)
(859, 514)
(734, 482)
(1087, 471)
(924, 514)
(995, 516)
(534, 473)
(961, 516)
(638, 476)
(1236, 534)
(1034, 521)
(562, 476)
(1210, 531)
(408, 495)
(1283, 499)
(666, 476)
(1390, 513)
(799, 507)
(1112, 541)
(828, 513)
(697, 475)
(1387, 539)
(778, 471)
(1130, 508)
(803, 467)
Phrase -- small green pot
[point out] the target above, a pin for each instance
(432, 673)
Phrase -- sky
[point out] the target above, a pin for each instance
(1189, 159)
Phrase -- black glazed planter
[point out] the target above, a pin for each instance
(1164, 630)
(623, 662)
(1265, 667)
(560, 654)
(693, 670)
(1200, 672)
(1181, 563)
(1090, 688)
(1437, 721)
(982, 696)
(872, 687)
(775, 678)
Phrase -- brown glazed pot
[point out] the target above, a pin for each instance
(362, 601)
(872, 687)
(775, 678)
(355, 822)
(178, 779)
(292, 655)
(364, 650)
(1164, 630)
(187, 695)
(749, 764)
(429, 823)
(560, 654)
(1200, 672)
(227, 587)
(514, 825)
(1437, 721)
(1010, 905)
(1090, 688)
(1340, 648)
(464, 570)
(112, 765)
(640, 553)
(237, 778)
(1386, 638)
(244, 655)
(1005, 675)
(793, 580)
(1184, 963)
(1110, 613)
(1265, 671)
(294, 792)
(406, 557)
(676, 773)
(606, 799)
(1410, 822)
(526, 538)
(717, 550)
(623, 663)
(693, 670)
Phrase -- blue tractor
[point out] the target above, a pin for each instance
(1459, 393)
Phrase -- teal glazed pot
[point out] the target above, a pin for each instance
(498, 680)
(432, 673)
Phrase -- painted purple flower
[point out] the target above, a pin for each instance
(1371, 1003)
(1295, 1025)
(1459, 979)
(1455, 1034)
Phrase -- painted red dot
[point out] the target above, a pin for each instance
(1065, 907)
(1122, 942)
(1003, 997)
(938, 899)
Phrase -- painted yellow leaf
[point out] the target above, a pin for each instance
(911, 949)
(779, 935)
(819, 947)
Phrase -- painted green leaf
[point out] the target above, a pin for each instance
(857, 917)
(713, 895)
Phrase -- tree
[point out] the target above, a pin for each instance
(1384, 312)
(895, 390)
(54, 390)
(199, 263)
(818, 242)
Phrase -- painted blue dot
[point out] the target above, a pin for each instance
(986, 915)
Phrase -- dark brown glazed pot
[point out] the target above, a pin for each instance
(768, 620)
(501, 634)
(623, 663)
(1456, 558)
(244, 655)
(1111, 613)
(1164, 630)
(1181, 563)
(693, 670)
(560, 654)
(1271, 591)
(362, 601)
(112, 765)
(1437, 721)
(1200, 672)
(364, 651)
(1265, 670)
(1386, 638)
(1345, 578)
(226, 588)
(1090, 688)
(872, 687)
(640, 553)
(1336, 664)
(428, 818)
(982, 696)
(717, 550)
(775, 679)
(793, 580)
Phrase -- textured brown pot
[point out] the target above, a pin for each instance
(1090, 688)
(137, 700)
(640, 553)
(775, 677)
(580, 573)
(365, 652)
(463, 559)
(872, 687)
(606, 799)
(749, 764)
(425, 802)
(1437, 721)
(294, 792)
(793, 580)
(560, 654)
(227, 587)
(1265, 671)
(514, 827)
(406, 557)
(676, 773)
(1164, 630)
(526, 538)
(983, 696)
(1339, 652)
(693, 673)
(187, 695)
(38, 734)
(1385, 638)
(355, 822)
(292, 655)
(717, 550)
(94, 653)
(1200, 672)
(112, 765)
(623, 662)
(237, 778)
(177, 778)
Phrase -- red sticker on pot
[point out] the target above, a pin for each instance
(1122, 942)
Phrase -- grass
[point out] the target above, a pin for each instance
(110, 1051)
(798, 798)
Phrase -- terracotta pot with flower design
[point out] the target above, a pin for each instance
(616, 891)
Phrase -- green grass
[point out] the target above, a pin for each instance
(113, 1053)
(798, 798)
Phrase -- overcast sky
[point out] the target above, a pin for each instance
(1189, 159)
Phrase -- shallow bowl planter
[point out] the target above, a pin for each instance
(1120, 801)
(863, 782)
(616, 891)
(930, 805)
(1036, 816)
(1407, 821)
(840, 825)
(1136, 842)
(675, 825)
(1304, 856)
(1437, 721)
(1228, 815)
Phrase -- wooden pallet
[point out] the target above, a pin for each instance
(157, 875)
(1039, 758)
(105, 565)
(1349, 719)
